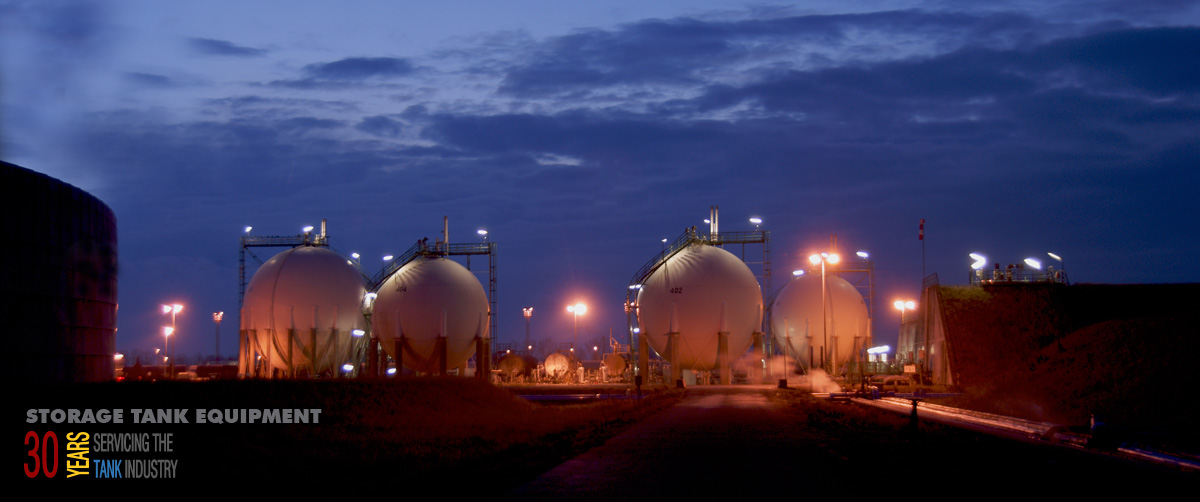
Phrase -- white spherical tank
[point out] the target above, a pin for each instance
(799, 306)
(699, 292)
(428, 298)
(300, 309)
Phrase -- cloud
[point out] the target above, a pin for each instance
(685, 52)
(213, 47)
(348, 73)
(276, 107)
(1160, 61)
(150, 80)
(360, 69)
(380, 125)
(306, 124)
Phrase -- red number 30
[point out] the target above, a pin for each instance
(50, 468)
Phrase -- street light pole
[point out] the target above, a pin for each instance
(217, 316)
(578, 309)
(831, 258)
(167, 330)
(903, 305)
(173, 309)
(528, 311)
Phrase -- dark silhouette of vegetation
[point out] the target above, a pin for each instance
(1062, 353)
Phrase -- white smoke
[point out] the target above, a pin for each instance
(816, 379)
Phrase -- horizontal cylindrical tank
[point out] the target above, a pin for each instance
(301, 308)
(433, 302)
(615, 364)
(512, 365)
(700, 292)
(557, 365)
(799, 306)
(58, 279)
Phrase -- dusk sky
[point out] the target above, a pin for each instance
(580, 134)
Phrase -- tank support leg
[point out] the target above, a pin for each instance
(725, 371)
(440, 350)
(481, 366)
(372, 358)
(673, 350)
(290, 355)
(243, 355)
(312, 356)
(337, 357)
(399, 355)
(756, 375)
(643, 359)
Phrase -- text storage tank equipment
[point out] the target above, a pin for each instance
(436, 310)
(301, 307)
(700, 309)
(800, 303)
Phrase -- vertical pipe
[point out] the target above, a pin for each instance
(716, 220)
(787, 345)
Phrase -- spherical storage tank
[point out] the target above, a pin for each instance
(305, 297)
(800, 304)
(699, 292)
(427, 298)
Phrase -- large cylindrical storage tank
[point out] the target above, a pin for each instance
(427, 299)
(59, 279)
(699, 293)
(799, 306)
(300, 310)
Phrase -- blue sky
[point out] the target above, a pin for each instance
(581, 133)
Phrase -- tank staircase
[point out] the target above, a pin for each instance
(690, 236)
(271, 241)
